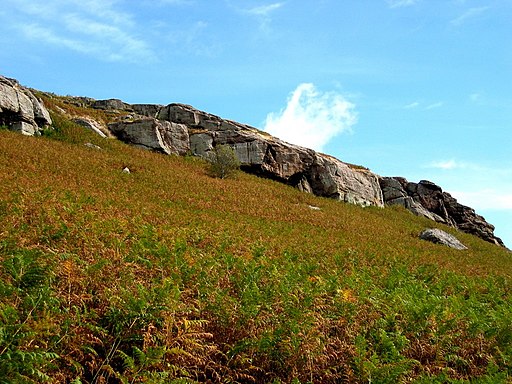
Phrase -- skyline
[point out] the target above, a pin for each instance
(410, 88)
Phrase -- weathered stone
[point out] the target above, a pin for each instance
(148, 110)
(41, 114)
(20, 110)
(111, 104)
(251, 152)
(262, 154)
(438, 236)
(428, 199)
(332, 178)
(93, 146)
(93, 125)
(24, 128)
(201, 144)
(161, 136)
(391, 189)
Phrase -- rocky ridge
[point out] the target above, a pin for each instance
(181, 129)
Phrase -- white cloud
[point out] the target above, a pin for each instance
(417, 104)
(312, 118)
(261, 13)
(434, 105)
(93, 27)
(448, 164)
(264, 10)
(469, 14)
(412, 105)
(401, 3)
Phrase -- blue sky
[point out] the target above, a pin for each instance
(413, 88)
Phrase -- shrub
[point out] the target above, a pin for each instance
(223, 162)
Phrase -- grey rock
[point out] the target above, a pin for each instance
(20, 110)
(332, 178)
(148, 110)
(92, 146)
(126, 170)
(428, 199)
(24, 128)
(92, 125)
(438, 236)
(111, 104)
(149, 133)
(201, 143)
(265, 155)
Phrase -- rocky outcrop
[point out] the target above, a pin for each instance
(181, 129)
(149, 133)
(20, 110)
(428, 199)
(438, 236)
(265, 155)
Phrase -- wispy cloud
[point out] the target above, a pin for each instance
(412, 105)
(192, 39)
(469, 14)
(448, 164)
(401, 3)
(264, 10)
(312, 118)
(92, 27)
(434, 105)
(418, 105)
(262, 13)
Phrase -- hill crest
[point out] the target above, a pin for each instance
(181, 129)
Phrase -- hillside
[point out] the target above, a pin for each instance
(168, 275)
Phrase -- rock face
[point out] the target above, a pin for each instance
(428, 199)
(161, 136)
(265, 155)
(438, 236)
(20, 110)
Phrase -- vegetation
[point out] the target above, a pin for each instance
(167, 275)
(223, 161)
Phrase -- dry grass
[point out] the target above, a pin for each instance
(167, 273)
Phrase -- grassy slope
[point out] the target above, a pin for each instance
(166, 273)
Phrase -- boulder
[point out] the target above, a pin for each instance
(438, 236)
(333, 178)
(149, 133)
(428, 199)
(20, 109)
(92, 125)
